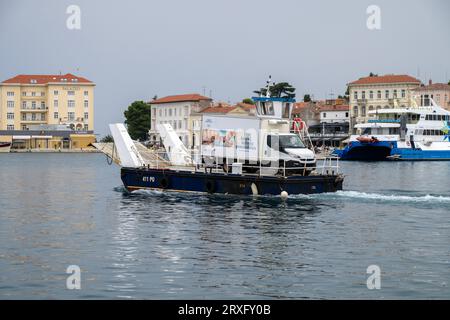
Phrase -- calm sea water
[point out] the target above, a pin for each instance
(58, 210)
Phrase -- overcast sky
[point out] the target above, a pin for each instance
(133, 50)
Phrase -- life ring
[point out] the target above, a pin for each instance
(210, 186)
(298, 124)
(164, 183)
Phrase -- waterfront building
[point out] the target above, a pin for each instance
(178, 111)
(439, 92)
(307, 111)
(334, 121)
(35, 107)
(379, 92)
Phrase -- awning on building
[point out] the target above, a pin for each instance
(21, 137)
(41, 137)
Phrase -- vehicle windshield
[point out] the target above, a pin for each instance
(285, 141)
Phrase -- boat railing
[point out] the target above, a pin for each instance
(329, 165)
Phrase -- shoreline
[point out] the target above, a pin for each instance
(54, 151)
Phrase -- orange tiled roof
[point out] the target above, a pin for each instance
(335, 107)
(46, 78)
(434, 86)
(246, 106)
(389, 78)
(180, 98)
(219, 108)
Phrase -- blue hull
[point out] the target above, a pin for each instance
(420, 155)
(145, 178)
(375, 151)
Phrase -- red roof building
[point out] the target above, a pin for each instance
(43, 79)
(385, 79)
(194, 97)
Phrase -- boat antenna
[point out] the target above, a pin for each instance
(268, 86)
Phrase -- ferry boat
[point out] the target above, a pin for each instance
(414, 133)
(292, 168)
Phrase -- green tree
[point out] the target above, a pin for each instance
(279, 90)
(248, 101)
(107, 138)
(138, 120)
(307, 98)
(449, 82)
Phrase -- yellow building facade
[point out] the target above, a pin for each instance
(27, 100)
(47, 112)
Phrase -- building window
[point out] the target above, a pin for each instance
(55, 115)
(386, 94)
(10, 127)
(71, 116)
(346, 114)
(403, 93)
(355, 111)
(165, 112)
(24, 116)
(10, 116)
(378, 94)
(355, 95)
(55, 92)
(33, 116)
(33, 105)
(86, 93)
(86, 103)
(10, 94)
(395, 93)
(370, 94)
(71, 103)
(86, 115)
(363, 111)
(24, 127)
(24, 94)
(324, 114)
(42, 105)
(160, 112)
(33, 94)
(10, 104)
(42, 94)
(86, 127)
(363, 95)
(42, 116)
(70, 93)
(24, 104)
(55, 103)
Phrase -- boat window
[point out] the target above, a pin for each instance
(286, 110)
(267, 108)
(393, 130)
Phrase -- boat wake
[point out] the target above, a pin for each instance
(386, 197)
(348, 194)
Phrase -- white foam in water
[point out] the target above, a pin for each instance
(392, 197)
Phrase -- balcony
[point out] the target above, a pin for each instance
(33, 121)
(362, 101)
(38, 97)
(30, 109)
